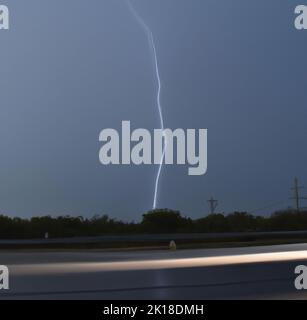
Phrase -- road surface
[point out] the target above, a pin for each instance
(232, 273)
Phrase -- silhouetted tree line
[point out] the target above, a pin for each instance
(157, 221)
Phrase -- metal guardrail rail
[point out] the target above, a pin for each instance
(152, 238)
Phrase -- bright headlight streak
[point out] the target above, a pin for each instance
(157, 264)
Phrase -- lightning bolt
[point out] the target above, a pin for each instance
(152, 46)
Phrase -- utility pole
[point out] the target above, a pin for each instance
(212, 204)
(297, 196)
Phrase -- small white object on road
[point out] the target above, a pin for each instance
(172, 245)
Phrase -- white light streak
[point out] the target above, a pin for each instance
(156, 264)
(157, 72)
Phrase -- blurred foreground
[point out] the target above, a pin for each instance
(233, 273)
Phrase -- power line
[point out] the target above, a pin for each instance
(275, 204)
(213, 203)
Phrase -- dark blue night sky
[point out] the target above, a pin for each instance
(72, 68)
